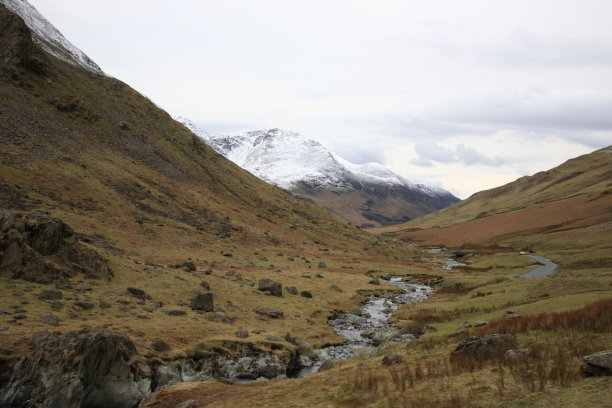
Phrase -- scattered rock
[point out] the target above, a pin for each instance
(268, 285)
(205, 285)
(186, 266)
(597, 364)
(104, 305)
(83, 287)
(50, 319)
(84, 304)
(291, 290)
(392, 358)
(174, 312)
(208, 271)
(336, 288)
(160, 345)
(136, 292)
(374, 282)
(203, 302)
(480, 323)
(50, 294)
(305, 294)
(322, 265)
(241, 333)
(269, 312)
(273, 338)
(318, 275)
(57, 305)
(485, 348)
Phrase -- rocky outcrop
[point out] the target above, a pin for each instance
(486, 347)
(93, 367)
(597, 364)
(38, 248)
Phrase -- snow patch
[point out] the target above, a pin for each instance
(48, 37)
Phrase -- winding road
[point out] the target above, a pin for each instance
(546, 269)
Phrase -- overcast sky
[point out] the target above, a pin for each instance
(466, 95)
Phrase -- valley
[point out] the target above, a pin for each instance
(140, 267)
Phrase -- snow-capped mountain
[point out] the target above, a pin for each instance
(307, 169)
(48, 37)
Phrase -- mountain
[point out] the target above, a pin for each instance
(47, 37)
(552, 210)
(364, 194)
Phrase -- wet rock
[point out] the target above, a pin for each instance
(50, 319)
(203, 302)
(87, 368)
(485, 348)
(269, 312)
(268, 285)
(326, 365)
(42, 249)
(304, 348)
(306, 294)
(50, 294)
(597, 364)
(136, 292)
(291, 290)
(160, 345)
(385, 335)
(392, 358)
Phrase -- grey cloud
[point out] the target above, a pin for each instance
(360, 153)
(429, 151)
(522, 49)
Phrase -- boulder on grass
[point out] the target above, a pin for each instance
(268, 285)
(203, 302)
(597, 364)
(486, 347)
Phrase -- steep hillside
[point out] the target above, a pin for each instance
(366, 194)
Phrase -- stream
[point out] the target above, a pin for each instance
(363, 332)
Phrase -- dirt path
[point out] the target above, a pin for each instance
(546, 269)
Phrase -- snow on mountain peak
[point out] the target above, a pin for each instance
(48, 37)
(286, 159)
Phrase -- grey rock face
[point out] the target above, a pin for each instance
(291, 290)
(41, 249)
(93, 367)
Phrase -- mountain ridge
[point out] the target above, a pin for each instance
(373, 195)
